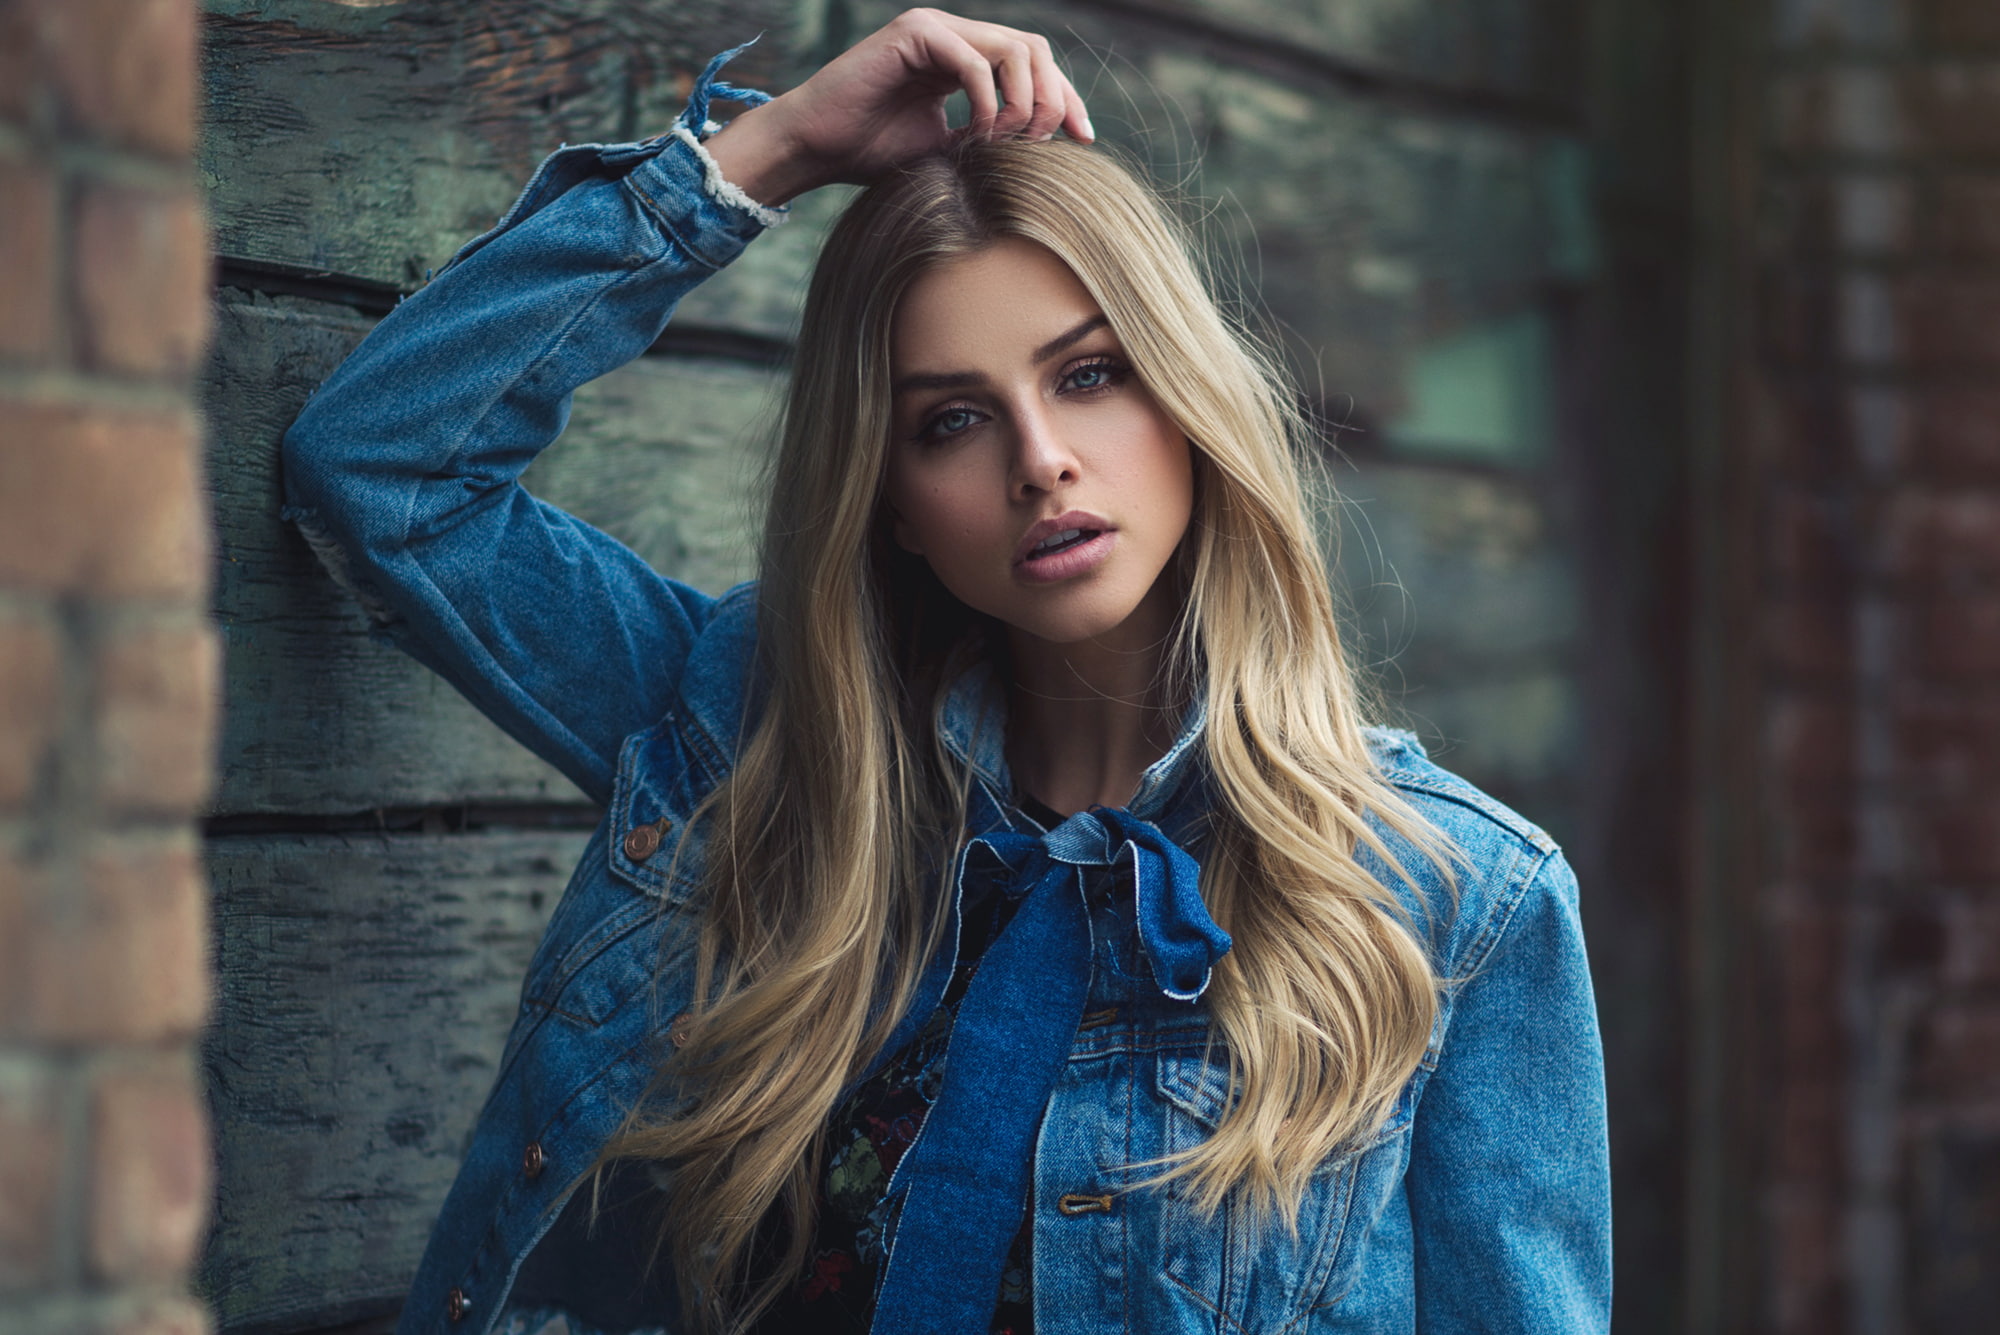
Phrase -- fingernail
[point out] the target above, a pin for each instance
(1088, 131)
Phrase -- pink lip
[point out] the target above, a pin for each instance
(1069, 562)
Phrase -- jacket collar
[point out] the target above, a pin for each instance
(972, 722)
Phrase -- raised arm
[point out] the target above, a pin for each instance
(403, 470)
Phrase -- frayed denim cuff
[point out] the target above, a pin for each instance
(693, 126)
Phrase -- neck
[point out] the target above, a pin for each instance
(1084, 720)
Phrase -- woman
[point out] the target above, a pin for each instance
(1002, 918)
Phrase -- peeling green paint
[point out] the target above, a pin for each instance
(1481, 394)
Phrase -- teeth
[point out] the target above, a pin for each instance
(1058, 539)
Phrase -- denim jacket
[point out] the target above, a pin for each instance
(1482, 1204)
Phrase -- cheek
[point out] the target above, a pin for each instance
(931, 515)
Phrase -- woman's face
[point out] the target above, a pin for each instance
(1029, 466)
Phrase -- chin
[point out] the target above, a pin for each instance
(1092, 619)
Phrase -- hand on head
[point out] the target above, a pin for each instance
(881, 103)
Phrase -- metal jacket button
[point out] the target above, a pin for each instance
(456, 1304)
(642, 841)
(532, 1160)
(680, 1030)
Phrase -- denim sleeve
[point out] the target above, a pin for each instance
(1509, 1180)
(403, 469)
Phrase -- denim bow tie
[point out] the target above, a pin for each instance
(965, 1180)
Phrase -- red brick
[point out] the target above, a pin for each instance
(1803, 949)
(1811, 537)
(30, 702)
(28, 262)
(1954, 108)
(31, 1157)
(1960, 23)
(1798, 316)
(1810, 638)
(19, 63)
(143, 280)
(1972, 943)
(149, 1167)
(125, 69)
(1947, 742)
(1808, 1259)
(157, 690)
(1958, 841)
(1935, 534)
(1956, 434)
(118, 509)
(1807, 433)
(1968, 216)
(1844, 109)
(121, 955)
(1816, 839)
(1956, 637)
(1956, 1052)
(1948, 321)
(1811, 740)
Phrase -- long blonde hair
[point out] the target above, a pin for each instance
(829, 842)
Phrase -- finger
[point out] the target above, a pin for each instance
(1052, 92)
(948, 50)
(1017, 85)
(1076, 118)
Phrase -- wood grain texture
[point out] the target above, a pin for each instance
(1529, 50)
(663, 453)
(366, 987)
(376, 140)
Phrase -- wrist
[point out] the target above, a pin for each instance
(758, 155)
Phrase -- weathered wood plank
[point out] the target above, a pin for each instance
(366, 984)
(375, 140)
(1526, 49)
(1454, 575)
(1461, 596)
(662, 453)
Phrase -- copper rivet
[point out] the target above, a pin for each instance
(532, 1160)
(641, 842)
(456, 1304)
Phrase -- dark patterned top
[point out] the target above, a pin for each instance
(867, 1135)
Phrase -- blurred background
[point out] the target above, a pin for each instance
(1656, 348)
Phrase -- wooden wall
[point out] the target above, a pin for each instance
(1413, 193)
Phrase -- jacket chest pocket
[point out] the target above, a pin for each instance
(653, 847)
(1239, 1270)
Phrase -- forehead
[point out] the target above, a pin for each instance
(995, 305)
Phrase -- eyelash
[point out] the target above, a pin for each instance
(1116, 373)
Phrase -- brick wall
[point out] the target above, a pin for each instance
(108, 668)
(1876, 447)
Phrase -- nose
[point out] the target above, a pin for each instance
(1043, 460)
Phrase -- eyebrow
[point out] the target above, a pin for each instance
(963, 379)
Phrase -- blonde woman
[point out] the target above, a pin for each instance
(1002, 917)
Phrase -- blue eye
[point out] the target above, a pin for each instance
(947, 423)
(1093, 376)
